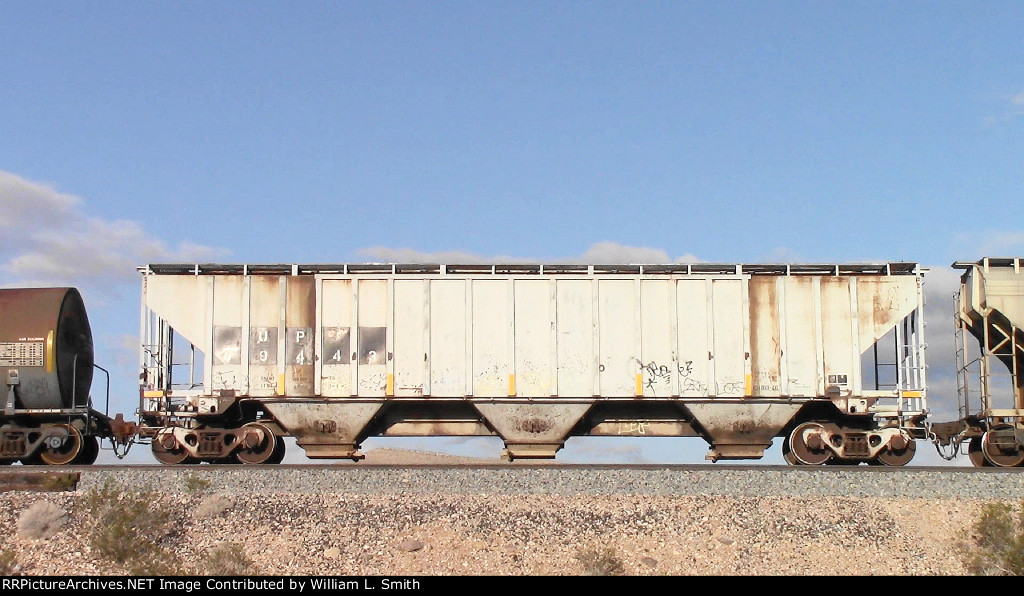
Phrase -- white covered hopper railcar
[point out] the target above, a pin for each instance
(829, 357)
(990, 370)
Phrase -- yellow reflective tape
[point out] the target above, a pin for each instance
(280, 384)
(639, 385)
(152, 394)
(912, 394)
(511, 384)
(51, 354)
(750, 386)
(391, 385)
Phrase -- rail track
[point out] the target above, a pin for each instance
(755, 468)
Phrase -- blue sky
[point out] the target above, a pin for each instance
(630, 131)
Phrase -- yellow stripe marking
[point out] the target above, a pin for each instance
(639, 385)
(750, 386)
(51, 354)
(511, 384)
(391, 385)
(280, 384)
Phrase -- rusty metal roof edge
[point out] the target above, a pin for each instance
(829, 269)
(991, 261)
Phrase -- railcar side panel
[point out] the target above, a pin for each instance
(731, 348)
(228, 370)
(410, 337)
(840, 358)
(372, 300)
(535, 365)
(300, 336)
(695, 364)
(336, 343)
(264, 343)
(801, 346)
(617, 319)
(576, 338)
(449, 338)
(492, 326)
(765, 337)
(657, 363)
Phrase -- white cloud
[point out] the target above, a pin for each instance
(782, 254)
(49, 240)
(1003, 244)
(1011, 107)
(612, 253)
(989, 243)
(940, 283)
(387, 254)
(28, 205)
(604, 253)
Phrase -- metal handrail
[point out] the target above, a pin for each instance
(106, 407)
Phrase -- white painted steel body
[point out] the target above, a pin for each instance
(538, 335)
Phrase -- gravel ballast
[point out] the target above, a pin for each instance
(550, 520)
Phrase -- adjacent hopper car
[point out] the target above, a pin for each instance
(989, 313)
(233, 358)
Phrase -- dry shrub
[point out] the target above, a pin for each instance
(227, 559)
(8, 562)
(196, 484)
(41, 520)
(135, 528)
(600, 560)
(999, 542)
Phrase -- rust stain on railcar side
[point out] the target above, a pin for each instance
(765, 350)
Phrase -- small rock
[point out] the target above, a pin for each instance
(213, 506)
(725, 540)
(42, 519)
(649, 561)
(409, 545)
(332, 553)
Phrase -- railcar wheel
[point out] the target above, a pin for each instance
(258, 444)
(66, 453)
(90, 451)
(807, 447)
(1001, 454)
(899, 457)
(976, 455)
(166, 450)
(279, 449)
(787, 453)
